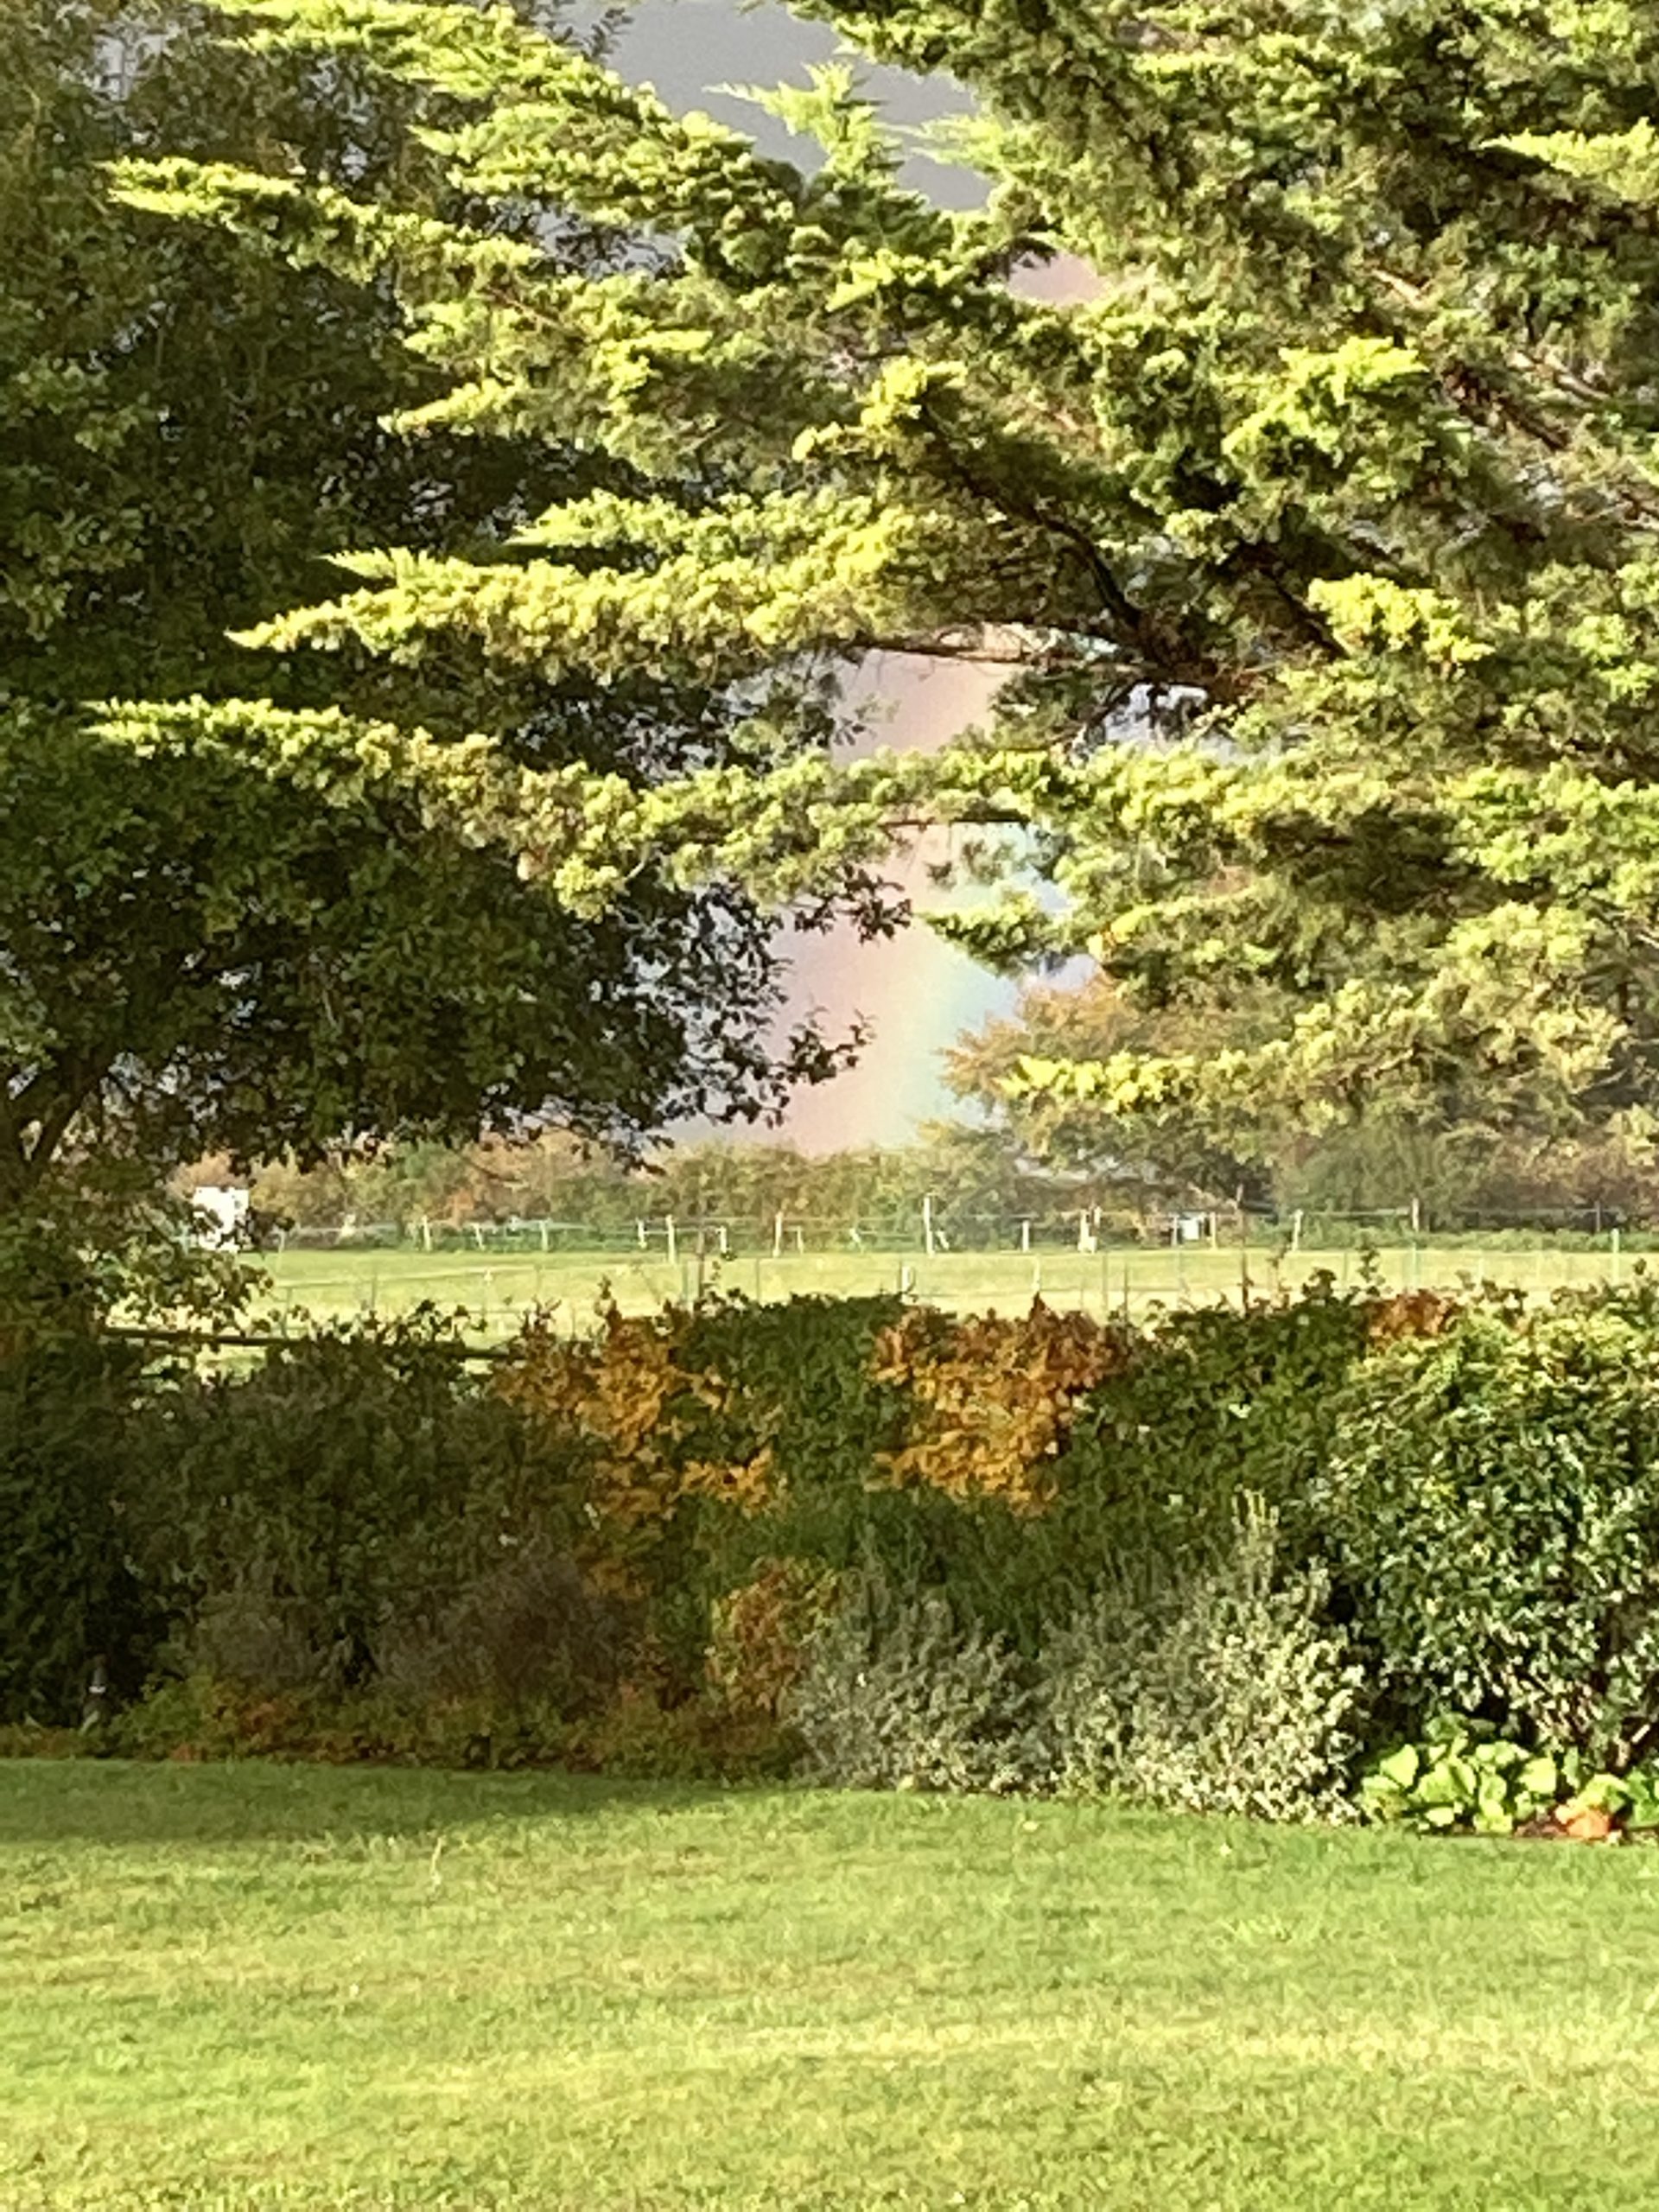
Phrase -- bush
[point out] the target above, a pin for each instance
(353, 1496)
(70, 1603)
(760, 1632)
(897, 1694)
(1146, 1561)
(524, 1630)
(1221, 1690)
(1490, 1508)
(1212, 1406)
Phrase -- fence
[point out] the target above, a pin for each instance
(499, 1272)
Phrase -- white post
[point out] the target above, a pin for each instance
(800, 1242)
(1416, 1216)
(927, 1226)
(777, 1234)
(725, 1242)
(1024, 1234)
(642, 1234)
(673, 1246)
(542, 1225)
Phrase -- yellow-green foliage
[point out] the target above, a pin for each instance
(1334, 475)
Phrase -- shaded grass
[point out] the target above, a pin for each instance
(282, 1986)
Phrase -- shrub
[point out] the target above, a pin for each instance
(351, 1494)
(70, 1600)
(991, 1399)
(1490, 1508)
(1462, 1776)
(1210, 1407)
(524, 1630)
(760, 1633)
(898, 1694)
(1221, 1690)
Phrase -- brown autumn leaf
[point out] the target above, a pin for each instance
(1588, 1825)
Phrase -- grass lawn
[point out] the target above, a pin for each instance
(264, 1985)
(500, 1288)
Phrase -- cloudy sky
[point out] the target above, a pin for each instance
(918, 993)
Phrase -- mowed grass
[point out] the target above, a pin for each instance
(500, 1288)
(279, 1987)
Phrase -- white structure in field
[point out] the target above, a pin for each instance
(221, 1209)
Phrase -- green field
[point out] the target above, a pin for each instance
(238, 1987)
(501, 1287)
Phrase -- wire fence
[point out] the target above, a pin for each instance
(500, 1273)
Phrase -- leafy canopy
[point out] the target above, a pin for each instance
(232, 913)
(1317, 533)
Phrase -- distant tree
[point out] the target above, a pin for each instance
(1003, 1070)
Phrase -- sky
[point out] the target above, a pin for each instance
(918, 993)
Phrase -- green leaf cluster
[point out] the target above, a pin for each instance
(1463, 1777)
(1313, 534)
(241, 904)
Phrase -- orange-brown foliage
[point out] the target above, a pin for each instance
(995, 1395)
(633, 1396)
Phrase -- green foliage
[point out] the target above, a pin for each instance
(1271, 1544)
(897, 1694)
(1214, 1405)
(1463, 1775)
(74, 1604)
(1222, 1689)
(70, 1600)
(798, 1384)
(1489, 1503)
(1336, 473)
(236, 907)
(351, 1503)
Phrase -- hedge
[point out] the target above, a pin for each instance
(1219, 1558)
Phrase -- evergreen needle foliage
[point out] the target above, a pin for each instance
(1335, 480)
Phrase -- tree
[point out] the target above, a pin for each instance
(1165, 1156)
(1318, 539)
(245, 925)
